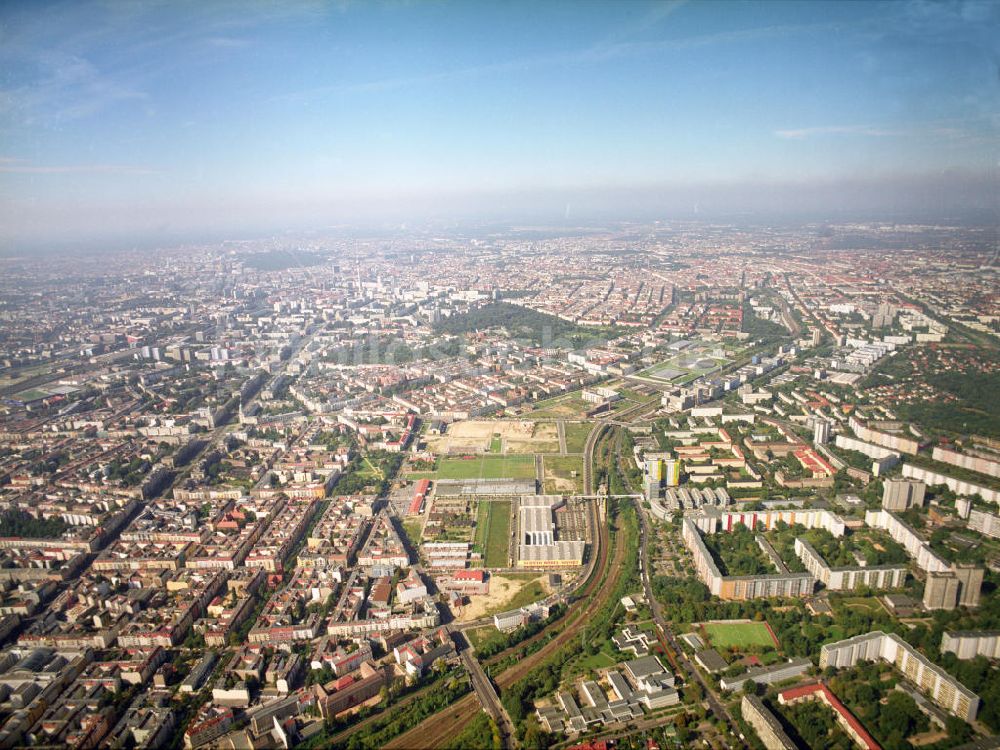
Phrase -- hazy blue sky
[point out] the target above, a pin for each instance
(119, 118)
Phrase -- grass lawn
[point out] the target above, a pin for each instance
(520, 576)
(412, 530)
(576, 436)
(624, 403)
(567, 405)
(528, 594)
(422, 475)
(375, 471)
(600, 660)
(496, 444)
(482, 526)
(687, 378)
(633, 395)
(558, 474)
(487, 466)
(724, 635)
(478, 636)
(24, 373)
(492, 532)
(860, 603)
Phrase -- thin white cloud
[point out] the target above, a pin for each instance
(597, 53)
(227, 42)
(970, 128)
(69, 87)
(866, 130)
(651, 19)
(59, 44)
(10, 165)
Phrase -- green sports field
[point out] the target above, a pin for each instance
(492, 531)
(487, 466)
(725, 635)
(32, 394)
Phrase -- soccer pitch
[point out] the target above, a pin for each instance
(724, 635)
(487, 466)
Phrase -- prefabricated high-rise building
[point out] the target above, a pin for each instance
(902, 494)
(672, 472)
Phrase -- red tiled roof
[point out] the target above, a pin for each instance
(420, 491)
(813, 462)
(833, 701)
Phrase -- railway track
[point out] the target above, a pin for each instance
(342, 736)
(436, 731)
(583, 593)
(603, 588)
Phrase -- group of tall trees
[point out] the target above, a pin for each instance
(525, 324)
(687, 600)
(737, 553)
(16, 522)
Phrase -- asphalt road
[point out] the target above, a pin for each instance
(714, 704)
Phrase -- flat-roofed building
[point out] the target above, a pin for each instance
(767, 675)
(903, 494)
(968, 644)
(941, 590)
(948, 585)
(741, 587)
(985, 523)
(558, 554)
(932, 680)
(849, 578)
(765, 724)
(538, 545)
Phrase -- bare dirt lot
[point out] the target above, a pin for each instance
(476, 436)
(503, 595)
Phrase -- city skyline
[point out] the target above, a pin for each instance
(125, 123)
(457, 375)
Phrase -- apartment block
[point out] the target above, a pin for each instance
(765, 724)
(948, 586)
(714, 520)
(932, 680)
(741, 587)
(985, 523)
(768, 675)
(902, 494)
(968, 644)
(958, 486)
(849, 579)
